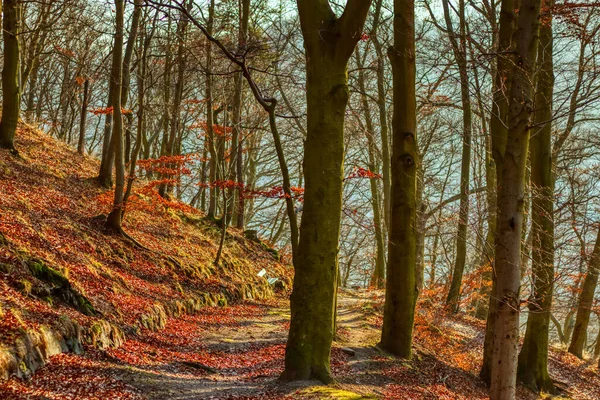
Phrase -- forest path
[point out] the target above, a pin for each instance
(243, 357)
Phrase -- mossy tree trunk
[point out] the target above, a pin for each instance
(586, 301)
(511, 205)
(329, 42)
(113, 221)
(11, 93)
(401, 284)
(533, 358)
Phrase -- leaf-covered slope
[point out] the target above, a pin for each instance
(57, 263)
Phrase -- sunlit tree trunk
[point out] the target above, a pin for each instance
(401, 285)
(586, 301)
(11, 94)
(329, 42)
(498, 133)
(510, 205)
(113, 221)
(533, 358)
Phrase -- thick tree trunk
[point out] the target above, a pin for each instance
(11, 93)
(113, 221)
(329, 43)
(586, 300)
(498, 132)
(510, 206)
(533, 358)
(401, 285)
(459, 48)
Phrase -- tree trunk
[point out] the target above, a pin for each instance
(498, 133)
(401, 286)
(84, 104)
(533, 358)
(510, 205)
(106, 162)
(378, 277)
(113, 221)
(459, 48)
(11, 94)
(236, 157)
(383, 122)
(131, 40)
(210, 137)
(329, 42)
(586, 300)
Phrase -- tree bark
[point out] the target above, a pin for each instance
(329, 42)
(498, 132)
(236, 159)
(533, 358)
(82, 121)
(510, 205)
(210, 136)
(11, 93)
(401, 285)
(586, 301)
(113, 221)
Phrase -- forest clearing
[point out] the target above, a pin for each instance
(309, 199)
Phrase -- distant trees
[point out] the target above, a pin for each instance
(11, 92)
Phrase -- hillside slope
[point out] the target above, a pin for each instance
(65, 282)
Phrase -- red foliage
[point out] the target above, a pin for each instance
(108, 110)
(359, 172)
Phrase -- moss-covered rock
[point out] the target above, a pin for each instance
(60, 287)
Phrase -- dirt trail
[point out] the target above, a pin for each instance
(251, 336)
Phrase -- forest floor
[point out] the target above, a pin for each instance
(237, 352)
(51, 226)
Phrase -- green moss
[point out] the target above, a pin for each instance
(271, 251)
(60, 286)
(24, 286)
(6, 268)
(3, 241)
(330, 392)
(44, 273)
